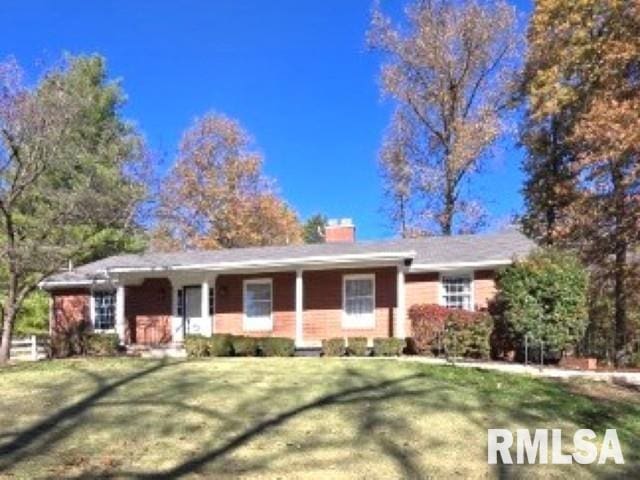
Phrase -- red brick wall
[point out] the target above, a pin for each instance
(322, 316)
(229, 308)
(148, 311)
(148, 306)
(421, 288)
(484, 287)
(323, 304)
(70, 307)
(425, 288)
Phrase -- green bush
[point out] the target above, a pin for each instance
(277, 347)
(101, 344)
(357, 346)
(467, 334)
(219, 345)
(333, 347)
(244, 346)
(545, 296)
(388, 347)
(197, 346)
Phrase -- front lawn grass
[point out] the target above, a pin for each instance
(288, 418)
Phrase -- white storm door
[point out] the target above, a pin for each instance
(193, 321)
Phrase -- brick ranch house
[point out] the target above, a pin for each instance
(339, 288)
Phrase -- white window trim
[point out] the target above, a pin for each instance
(245, 320)
(92, 309)
(346, 319)
(457, 273)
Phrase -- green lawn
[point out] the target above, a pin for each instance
(294, 418)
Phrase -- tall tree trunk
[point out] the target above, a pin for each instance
(403, 217)
(620, 264)
(620, 298)
(446, 222)
(10, 306)
(8, 320)
(551, 212)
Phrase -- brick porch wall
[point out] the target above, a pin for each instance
(323, 304)
(322, 315)
(148, 311)
(229, 308)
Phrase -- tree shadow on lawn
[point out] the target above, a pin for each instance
(45, 433)
(370, 392)
(517, 402)
(553, 403)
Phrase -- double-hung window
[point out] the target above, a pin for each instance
(258, 305)
(104, 310)
(358, 301)
(456, 291)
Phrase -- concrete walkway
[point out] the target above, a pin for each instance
(627, 378)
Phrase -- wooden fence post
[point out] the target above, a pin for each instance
(34, 348)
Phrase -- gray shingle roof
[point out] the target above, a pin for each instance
(460, 249)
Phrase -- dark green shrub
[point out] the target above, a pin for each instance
(545, 296)
(357, 346)
(467, 334)
(333, 347)
(101, 344)
(277, 347)
(388, 347)
(244, 346)
(197, 346)
(219, 345)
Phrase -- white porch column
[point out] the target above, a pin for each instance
(401, 309)
(177, 322)
(212, 284)
(120, 320)
(206, 318)
(299, 308)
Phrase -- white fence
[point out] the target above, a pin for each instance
(29, 349)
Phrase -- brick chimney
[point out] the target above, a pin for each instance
(340, 231)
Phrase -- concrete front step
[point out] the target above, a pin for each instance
(170, 350)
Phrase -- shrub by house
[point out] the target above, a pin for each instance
(439, 330)
(545, 297)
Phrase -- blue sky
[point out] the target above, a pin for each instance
(296, 74)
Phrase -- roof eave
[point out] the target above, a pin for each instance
(54, 284)
(327, 261)
(450, 266)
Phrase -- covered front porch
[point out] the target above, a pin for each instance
(306, 304)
